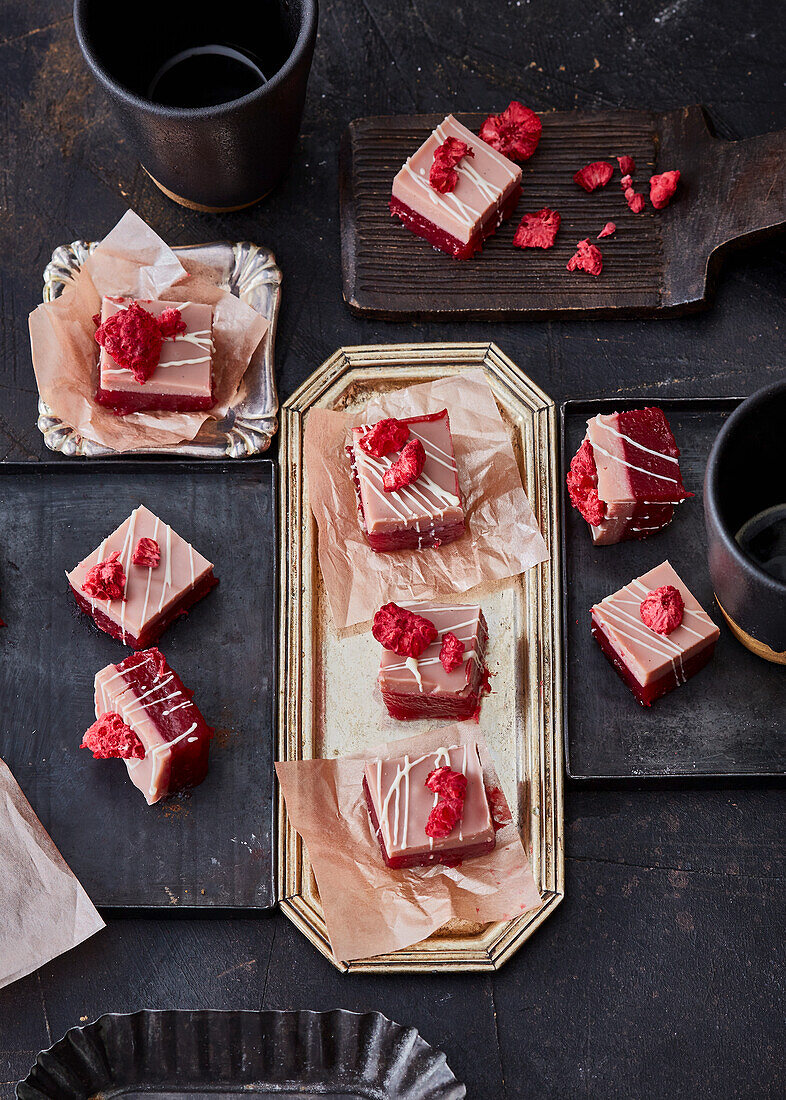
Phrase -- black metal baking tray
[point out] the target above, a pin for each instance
(205, 851)
(729, 720)
(338, 1055)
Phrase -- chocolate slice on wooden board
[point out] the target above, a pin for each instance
(663, 261)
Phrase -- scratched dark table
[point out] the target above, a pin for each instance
(662, 973)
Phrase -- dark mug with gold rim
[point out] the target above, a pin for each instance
(745, 511)
(210, 97)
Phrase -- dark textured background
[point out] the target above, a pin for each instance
(662, 972)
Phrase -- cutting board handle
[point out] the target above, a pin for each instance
(751, 180)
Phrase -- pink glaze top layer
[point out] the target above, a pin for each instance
(425, 675)
(637, 462)
(149, 592)
(647, 654)
(484, 182)
(434, 496)
(186, 362)
(150, 698)
(402, 802)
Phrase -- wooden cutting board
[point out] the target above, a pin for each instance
(658, 262)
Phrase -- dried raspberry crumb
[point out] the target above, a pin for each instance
(402, 631)
(587, 257)
(661, 610)
(133, 339)
(443, 819)
(594, 175)
(627, 165)
(447, 783)
(443, 176)
(515, 132)
(537, 230)
(607, 230)
(635, 200)
(109, 738)
(96, 319)
(662, 188)
(171, 322)
(407, 468)
(498, 806)
(582, 481)
(106, 580)
(386, 435)
(147, 552)
(451, 653)
(159, 660)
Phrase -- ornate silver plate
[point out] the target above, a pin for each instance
(251, 274)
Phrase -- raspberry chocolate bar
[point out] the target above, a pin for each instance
(406, 479)
(455, 190)
(161, 358)
(433, 663)
(655, 633)
(429, 809)
(145, 716)
(140, 578)
(625, 479)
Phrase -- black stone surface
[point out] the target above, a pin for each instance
(661, 974)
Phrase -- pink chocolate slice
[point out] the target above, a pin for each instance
(151, 699)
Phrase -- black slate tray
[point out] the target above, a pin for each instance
(213, 1055)
(729, 720)
(208, 850)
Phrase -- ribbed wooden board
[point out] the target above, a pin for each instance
(656, 261)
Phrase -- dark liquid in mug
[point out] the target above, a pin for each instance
(203, 76)
(763, 538)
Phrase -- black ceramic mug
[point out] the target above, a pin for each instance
(745, 510)
(165, 66)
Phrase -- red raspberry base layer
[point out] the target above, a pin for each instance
(156, 627)
(647, 694)
(460, 250)
(122, 403)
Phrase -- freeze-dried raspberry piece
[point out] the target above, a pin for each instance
(407, 468)
(159, 661)
(626, 182)
(515, 133)
(147, 553)
(402, 631)
(443, 819)
(109, 738)
(106, 580)
(627, 165)
(443, 176)
(498, 806)
(607, 230)
(447, 784)
(133, 339)
(661, 610)
(587, 257)
(171, 322)
(96, 319)
(635, 200)
(386, 435)
(662, 187)
(537, 230)
(582, 481)
(451, 652)
(594, 175)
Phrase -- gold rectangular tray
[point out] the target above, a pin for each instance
(326, 705)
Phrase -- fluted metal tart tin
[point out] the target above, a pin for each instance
(746, 474)
(337, 1055)
(326, 709)
(251, 274)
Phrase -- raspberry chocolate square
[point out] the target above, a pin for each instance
(429, 809)
(182, 380)
(131, 600)
(166, 741)
(457, 221)
(428, 511)
(448, 679)
(625, 479)
(655, 633)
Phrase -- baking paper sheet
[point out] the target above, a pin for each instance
(371, 909)
(43, 909)
(502, 537)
